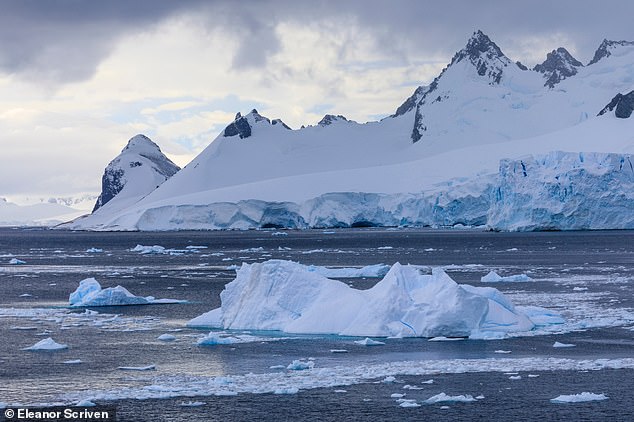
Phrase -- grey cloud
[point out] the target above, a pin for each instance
(65, 40)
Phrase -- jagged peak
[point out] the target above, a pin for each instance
(243, 125)
(141, 143)
(329, 119)
(605, 48)
(280, 122)
(485, 55)
(559, 65)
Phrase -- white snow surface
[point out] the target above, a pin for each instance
(90, 293)
(476, 130)
(285, 296)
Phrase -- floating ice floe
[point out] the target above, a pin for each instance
(47, 344)
(558, 344)
(493, 277)
(85, 403)
(167, 337)
(578, 398)
(192, 404)
(16, 261)
(94, 250)
(369, 342)
(285, 296)
(444, 398)
(90, 293)
(138, 368)
(300, 365)
(72, 362)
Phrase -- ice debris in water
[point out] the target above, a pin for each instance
(300, 365)
(286, 296)
(493, 277)
(444, 398)
(156, 249)
(192, 403)
(85, 403)
(167, 337)
(46, 344)
(90, 293)
(369, 342)
(578, 398)
(16, 261)
(138, 368)
(558, 344)
(94, 250)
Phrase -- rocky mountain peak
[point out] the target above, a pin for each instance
(329, 119)
(606, 47)
(559, 65)
(623, 105)
(485, 55)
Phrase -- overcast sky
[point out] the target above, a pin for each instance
(79, 78)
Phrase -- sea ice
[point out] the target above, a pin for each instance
(138, 368)
(300, 365)
(46, 344)
(167, 337)
(369, 342)
(94, 250)
(444, 398)
(493, 277)
(558, 344)
(90, 293)
(286, 296)
(192, 404)
(72, 362)
(16, 261)
(156, 249)
(288, 390)
(578, 398)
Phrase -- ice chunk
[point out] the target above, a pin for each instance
(443, 398)
(90, 293)
(558, 344)
(369, 342)
(192, 404)
(213, 339)
(286, 296)
(72, 362)
(16, 261)
(493, 277)
(409, 403)
(156, 249)
(300, 365)
(138, 368)
(85, 403)
(167, 337)
(287, 390)
(46, 344)
(578, 398)
(94, 250)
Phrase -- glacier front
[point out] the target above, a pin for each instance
(286, 296)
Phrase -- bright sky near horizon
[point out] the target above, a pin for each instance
(79, 78)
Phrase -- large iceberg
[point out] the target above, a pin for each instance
(286, 296)
(90, 293)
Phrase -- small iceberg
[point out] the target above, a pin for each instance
(579, 398)
(167, 337)
(369, 342)
(558, 344)
(494, 277)
(90, 293)
(444, 398)
(300, 365)
(138, 368)
(144, 250)
(16, 261)
(47, 344)
(94, 250)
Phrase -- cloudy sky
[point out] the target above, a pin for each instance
(79, 78)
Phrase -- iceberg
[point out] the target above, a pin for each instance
(16, 261)
(493, 277)
(578, 398)
(90, 293)
(47, 344)
(286, 296)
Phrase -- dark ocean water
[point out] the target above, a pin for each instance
(585, 275)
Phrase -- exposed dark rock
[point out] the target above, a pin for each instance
(111, 184)
(329, 119)
(280, 122)
(485, 55)
(559, 65)
(623, 106)
(605, 47)
(521, 65)
(240, 127)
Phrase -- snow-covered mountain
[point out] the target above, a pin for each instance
(446, 139)
(36, 214)
(138, 170)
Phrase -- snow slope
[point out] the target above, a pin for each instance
(441, 149)
(39, 214)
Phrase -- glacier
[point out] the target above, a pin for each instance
(285, 296)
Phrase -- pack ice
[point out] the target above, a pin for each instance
(286, 296)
